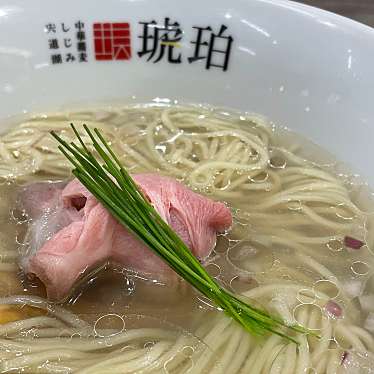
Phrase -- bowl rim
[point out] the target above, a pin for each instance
(306, 8)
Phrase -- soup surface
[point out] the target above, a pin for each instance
(301, 246)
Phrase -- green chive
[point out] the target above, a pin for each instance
(112, 185)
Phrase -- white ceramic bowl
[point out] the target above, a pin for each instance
(302, 67)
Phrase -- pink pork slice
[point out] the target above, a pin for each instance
(89, 235)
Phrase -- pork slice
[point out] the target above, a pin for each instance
(73, 250)
(93, 236)
(196, 219)
(41, 202)
(37, 198)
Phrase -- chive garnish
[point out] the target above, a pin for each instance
(111, 184)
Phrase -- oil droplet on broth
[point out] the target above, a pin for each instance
(259, 178)
(316, 320)
(277, 160)
(242, 283)
(188, 351)
(294, 205)
(360, 268)
(213, 269)
(109, 324)
(335, 245)
(306, 296)
(223, 244)
(333, 344)
(251, 257)
(327, 287)
(343, 212)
